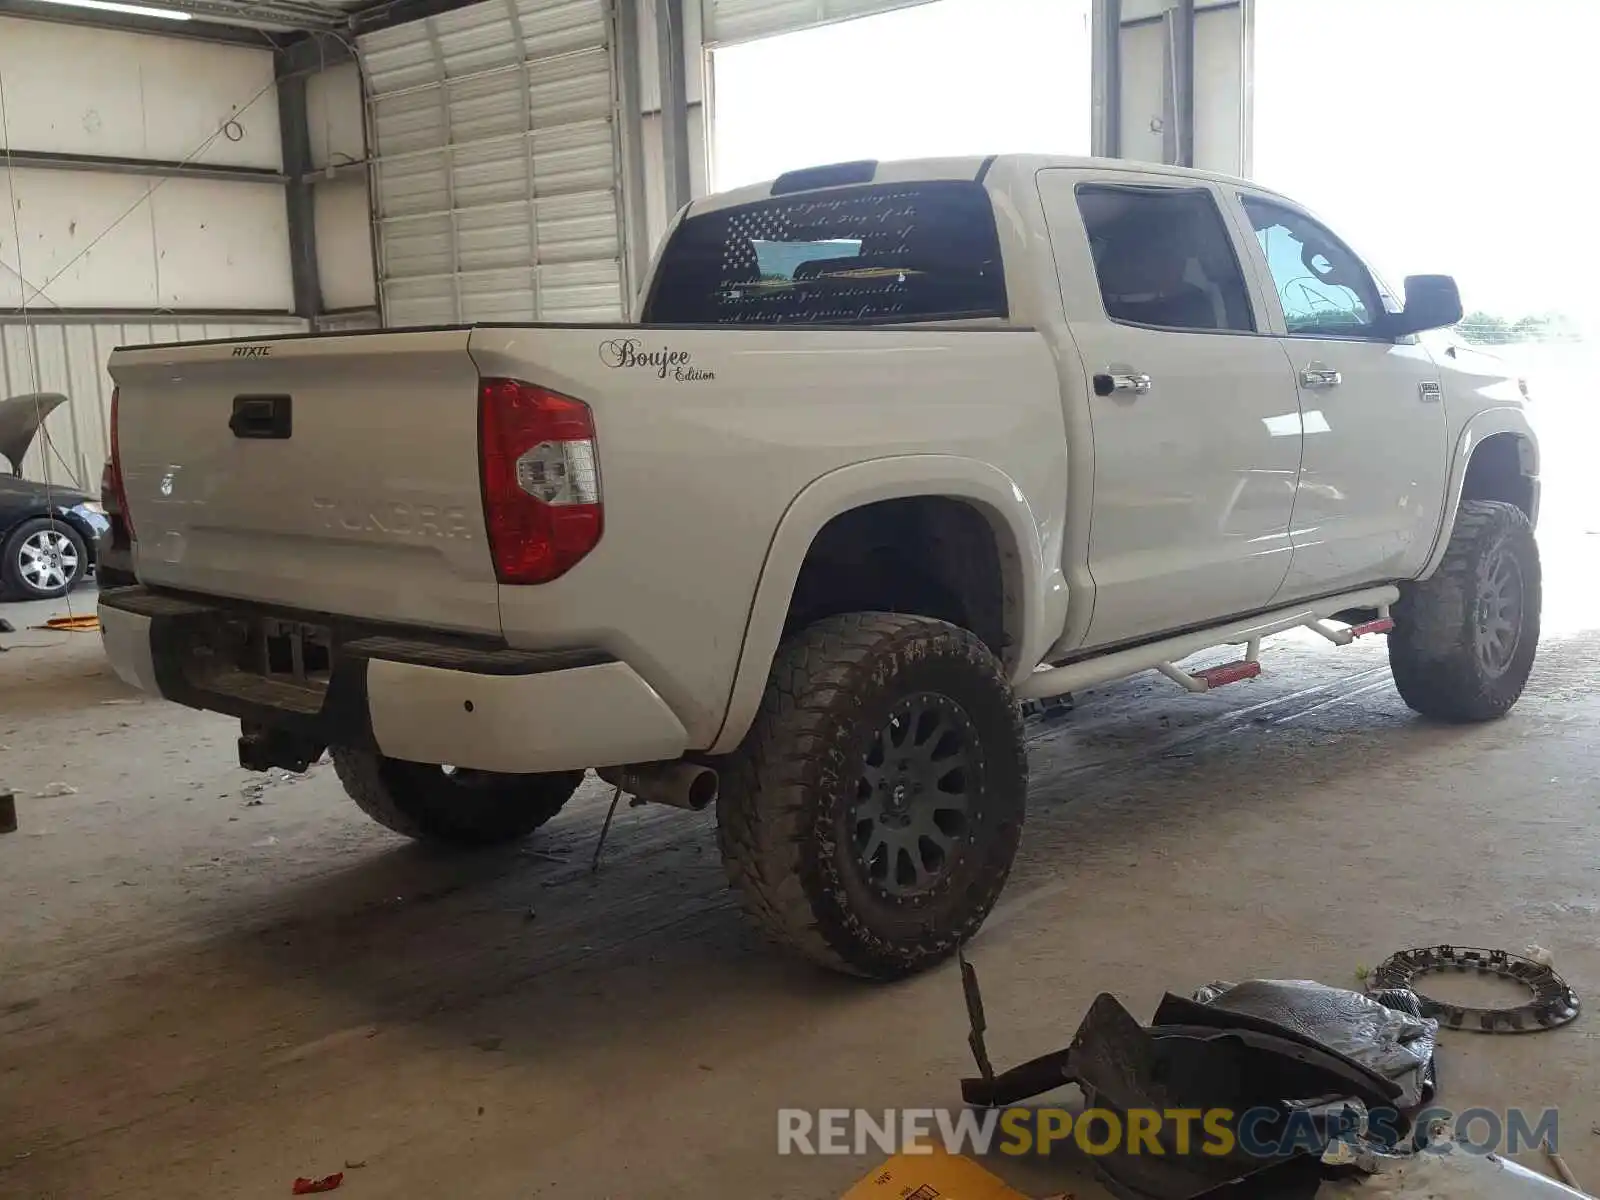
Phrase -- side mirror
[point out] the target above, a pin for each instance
(1432, 302)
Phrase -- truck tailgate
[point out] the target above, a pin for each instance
(334, 474)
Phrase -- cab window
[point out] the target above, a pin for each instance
(1324, 288)
(880, 254)
(1164, 259)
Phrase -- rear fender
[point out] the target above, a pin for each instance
(1480, 428)
(989, 489)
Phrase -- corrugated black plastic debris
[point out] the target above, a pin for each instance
(1201, 1056)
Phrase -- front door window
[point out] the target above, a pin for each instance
(1324, 288)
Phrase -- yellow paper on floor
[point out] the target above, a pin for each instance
(935, 1176)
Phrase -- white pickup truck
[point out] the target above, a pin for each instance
(891, 449)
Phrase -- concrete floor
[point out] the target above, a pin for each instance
(211, 983)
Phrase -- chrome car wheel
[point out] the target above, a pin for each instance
(48, 561)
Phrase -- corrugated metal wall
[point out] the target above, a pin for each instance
(45, 356)
(497, 164)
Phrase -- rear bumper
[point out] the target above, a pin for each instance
(407, 694)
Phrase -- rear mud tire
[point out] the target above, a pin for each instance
(1465, 638)
(789, 814)
(460, 809)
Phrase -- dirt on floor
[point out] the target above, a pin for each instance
(213, 982)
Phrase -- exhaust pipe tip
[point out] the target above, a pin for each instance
(701, 787)
(678, 784)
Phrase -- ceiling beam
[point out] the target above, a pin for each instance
(200, 30)
(382, 14)
(291, 14)
(267, 23)
(106, 165)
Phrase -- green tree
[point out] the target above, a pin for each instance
(1485, 329)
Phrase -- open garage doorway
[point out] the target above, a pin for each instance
(953, 77)
(1416, 129)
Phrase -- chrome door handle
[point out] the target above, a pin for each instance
(1121, 381)
(1319, 376)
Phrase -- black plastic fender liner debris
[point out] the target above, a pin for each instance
(1386, 1031)
(1554, 1003)
(977, 1026)
(1251, 1066)
(1117, 1056)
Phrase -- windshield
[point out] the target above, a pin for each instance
(883, 253)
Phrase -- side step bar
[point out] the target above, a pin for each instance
(1163, 655)
(1343, 637)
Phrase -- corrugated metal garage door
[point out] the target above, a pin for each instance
(741, 20)
(497, 164)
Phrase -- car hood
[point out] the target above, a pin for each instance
(53, 494)
(20, 418)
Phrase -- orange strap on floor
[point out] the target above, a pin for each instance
(73, 624)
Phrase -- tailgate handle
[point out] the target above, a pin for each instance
(262, 417)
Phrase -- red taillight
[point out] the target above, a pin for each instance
(541, 480)
(113, 488)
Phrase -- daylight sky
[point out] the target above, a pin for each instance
(1436, 135)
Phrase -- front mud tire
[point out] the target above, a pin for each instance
(1465, 638)
(824, 818)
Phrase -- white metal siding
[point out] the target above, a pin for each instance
(1221, 138)
(741, 20)
(1149, 10)
(77, 90)
(1143, 76)
(497, 164)
(45, 356)
(343, 216)
(336, 116)
(99, 241)
(105, 240)
(655, 171)
(1222, 83)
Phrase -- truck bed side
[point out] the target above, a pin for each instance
(707, 443)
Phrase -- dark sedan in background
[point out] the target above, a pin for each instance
(51, 535)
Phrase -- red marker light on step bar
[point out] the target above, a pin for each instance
(1229, 673)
